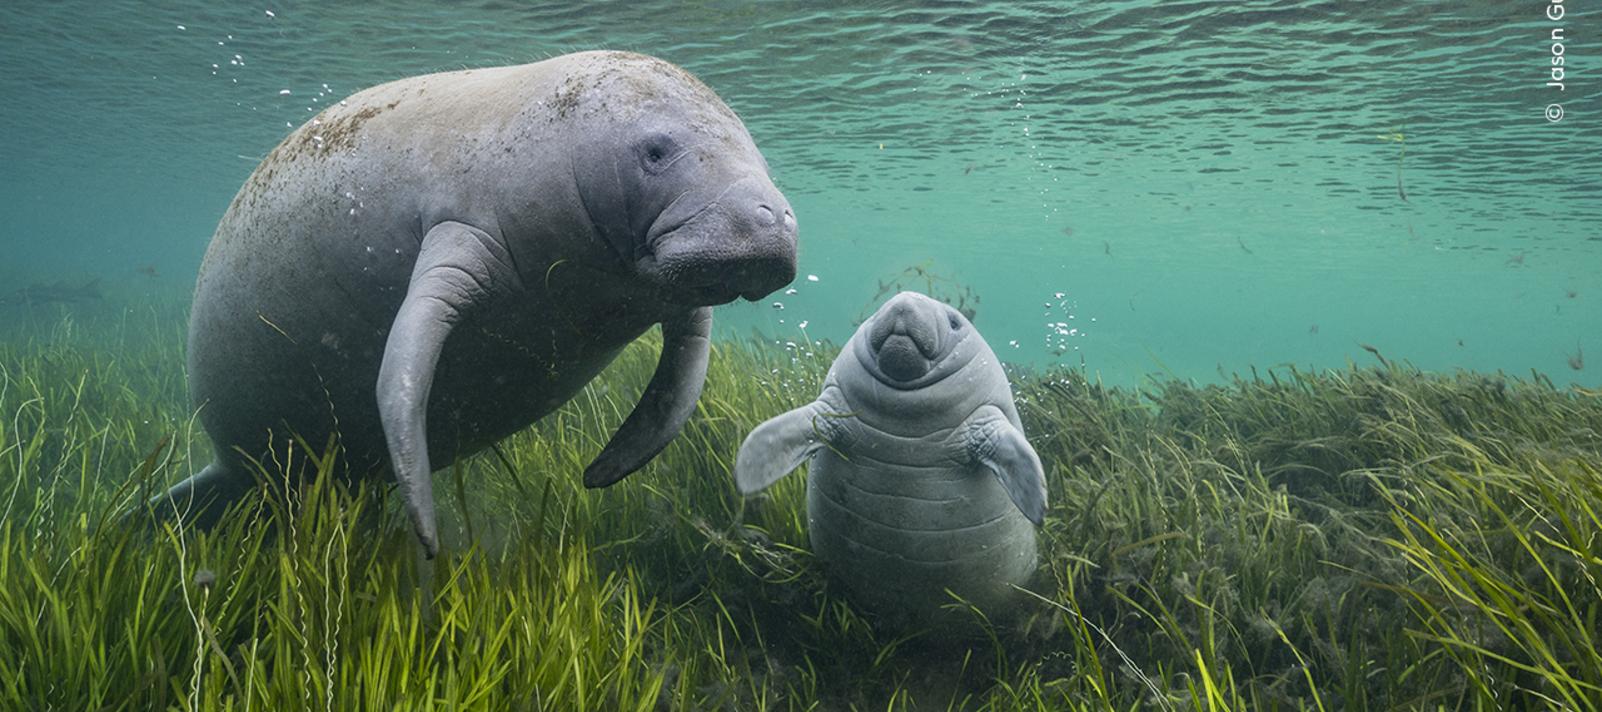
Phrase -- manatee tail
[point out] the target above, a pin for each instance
(201, 499)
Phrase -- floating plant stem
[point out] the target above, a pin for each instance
(1400, 139)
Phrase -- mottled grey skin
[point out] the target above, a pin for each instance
(437, 262)
(921, 478)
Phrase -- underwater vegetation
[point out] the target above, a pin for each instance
(923, 278)
(1362, 538)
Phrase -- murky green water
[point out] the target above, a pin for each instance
(1144, 186)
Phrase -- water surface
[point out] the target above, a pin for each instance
(1140, 187)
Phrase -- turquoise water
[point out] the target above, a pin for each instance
(1182, 188)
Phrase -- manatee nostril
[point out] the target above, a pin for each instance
(789, 217)
(764, 215)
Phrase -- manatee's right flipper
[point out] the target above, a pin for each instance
(781, 444)
(201, 499)
(458, 268)
(667, 403)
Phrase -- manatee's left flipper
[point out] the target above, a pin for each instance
(991, 440)
(458, 268)
(667, 403)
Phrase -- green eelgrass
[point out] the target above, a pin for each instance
(1353, 539)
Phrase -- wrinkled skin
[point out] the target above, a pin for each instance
(921, 479)
(440, 261)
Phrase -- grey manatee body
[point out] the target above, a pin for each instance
(437, 262)
(921, 479)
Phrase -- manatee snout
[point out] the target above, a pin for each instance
(905, 336)
(741, 244)
(765, 261)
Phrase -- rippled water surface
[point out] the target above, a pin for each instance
(1141, 187)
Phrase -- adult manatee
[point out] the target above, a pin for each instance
(921, 478)
(437, 262)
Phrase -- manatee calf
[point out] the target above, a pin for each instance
(921, 479)
(437, 262)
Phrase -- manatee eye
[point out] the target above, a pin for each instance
(657, 151)
(951, 318)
